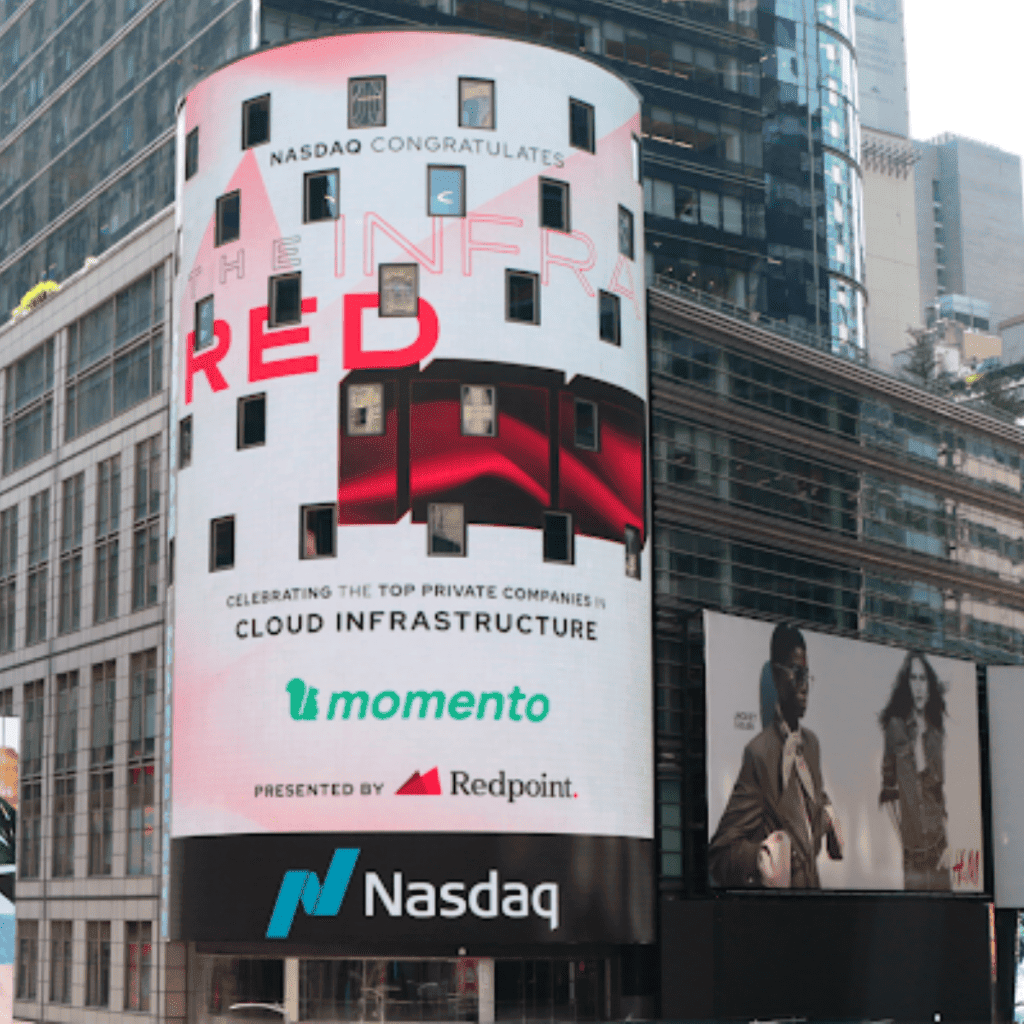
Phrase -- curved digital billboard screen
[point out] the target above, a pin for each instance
(413, 572)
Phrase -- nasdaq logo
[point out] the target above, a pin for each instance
(317, 899)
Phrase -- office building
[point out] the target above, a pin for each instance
(882, 67)
(750, 130)
(890, 240)
(970, 223)
(87, 94)
(788, 484)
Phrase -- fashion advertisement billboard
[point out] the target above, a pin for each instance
(412, 562)
(1005, 728)
(839, 764)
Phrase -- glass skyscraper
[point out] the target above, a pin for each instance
(752, 178)
(86, 121)
(751, 135)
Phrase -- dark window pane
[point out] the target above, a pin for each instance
(223, 543)
(285, 300)
(191, 153)
(554, 205)
(609, 317)
(322, 196)
(522, 298)
(256, 121)
(253, 425)
(227, 218)
(586, 425)
(557, 537)
(318, 531)
(581, 125)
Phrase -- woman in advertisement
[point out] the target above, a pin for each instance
(913, 773)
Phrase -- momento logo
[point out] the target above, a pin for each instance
(487, 899)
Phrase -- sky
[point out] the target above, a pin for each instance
(963, 66)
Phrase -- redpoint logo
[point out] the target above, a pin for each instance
(511, 789)
(428, 784)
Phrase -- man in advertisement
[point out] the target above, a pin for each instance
(771, 830)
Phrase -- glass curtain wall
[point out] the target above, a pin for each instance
(87, 98)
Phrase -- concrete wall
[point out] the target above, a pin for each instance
(892, 273)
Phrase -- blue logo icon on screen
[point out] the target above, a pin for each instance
(318, 900)
(447, 187)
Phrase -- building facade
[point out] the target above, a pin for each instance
(970, 223)
(790, 485)
(87, 91)
(890, 231)
(882, 67)
(750, 129)
(787, 484)
(85, 510)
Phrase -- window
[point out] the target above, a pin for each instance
(8, 578)
(222, 543)
(476, 103)
(522, 297)
(38, 554)
(252, 421)
(635, 151)
(446, 530)
(146, 539)
(70, 601)
(7, 702)
(115, 355)
(65, 756)
(66, 738)
(581, 125)
(97, 963)
(669, 820)
(554, 204)
(367, 102)
(31, 766)
(28, 407)
(586, 435)
(101, 726)
(228, 218)
(28, 959)
(60, 961)
(609, 324)
(184, 442)
(626, 245)
(255, 122)
(108, 524)
(321, 196)
(141, 818)
(633, 552)
(101, 777)
(204, 324)
(285, 300)
(446, 191)
(365, 415)
(141, 771)
(319, 528)
(399, 289)
(101, 822)
(558, 537)
(191, 154)
(138, 960)
(479, 411)
(142, 726)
